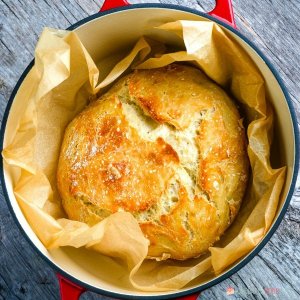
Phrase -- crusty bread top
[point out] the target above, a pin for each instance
(168, 146)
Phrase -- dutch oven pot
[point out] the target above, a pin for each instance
(119, 24)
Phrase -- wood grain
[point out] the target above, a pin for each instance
(273, 25)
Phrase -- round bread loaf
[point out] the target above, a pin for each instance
(166, 145)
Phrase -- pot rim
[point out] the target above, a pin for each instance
(244, 260)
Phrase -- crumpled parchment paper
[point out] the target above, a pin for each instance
(61, 83)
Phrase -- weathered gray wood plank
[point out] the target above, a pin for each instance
(273, 25)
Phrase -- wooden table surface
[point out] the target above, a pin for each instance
(273, 25)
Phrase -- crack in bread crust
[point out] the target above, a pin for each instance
(166, 145)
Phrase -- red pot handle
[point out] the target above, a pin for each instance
(68, 289)
(72, 291)
(222, 11)
(109, 4)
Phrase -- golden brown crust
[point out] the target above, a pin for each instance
(102, 161)
(107, 164)
(163, 94)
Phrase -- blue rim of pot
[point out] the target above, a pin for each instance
(247, 258)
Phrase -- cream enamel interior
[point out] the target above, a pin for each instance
(114, 34)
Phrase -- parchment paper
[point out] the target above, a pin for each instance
(65, 78)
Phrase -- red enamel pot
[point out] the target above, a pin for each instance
(117, 26)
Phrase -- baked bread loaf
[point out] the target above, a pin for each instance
(166, 145)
